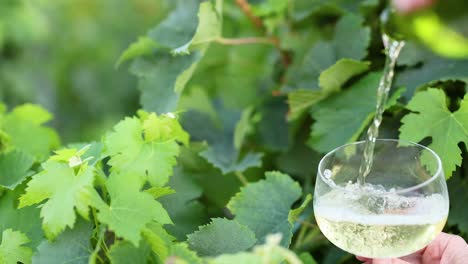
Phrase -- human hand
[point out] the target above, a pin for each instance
(445, 249)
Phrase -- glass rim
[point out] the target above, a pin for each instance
(405, 190)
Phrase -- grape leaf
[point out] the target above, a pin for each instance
(25, 220)
(339, 121)
(432, 70)
(208, 30)
(163, 76)
(65, 190)
(130, 209)
(431, 118)
(179, 26)
(295, 213)
(151, 156)
(158, 239)
(271, 252)
(143, 46)
(457, 187)
(307, 258)
(330, 80)
(14, 168)
(159, 76)
(210, 240)
(245, 126)
(25, 127)
(180, 254)
(124, 252)
(273, 130)
(221, 151)
(71, 247)
(264, 206)
(350, 41)
(12, 249)
(185, 211)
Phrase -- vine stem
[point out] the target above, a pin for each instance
(248, 40)
(244, 5)
(241, 178)
(258, 23)
(98, 244)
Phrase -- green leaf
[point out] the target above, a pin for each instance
(342, 117)
(12, 249)
(221, 151)
(221, 236)
(241, 257)
(143, 46)
(226, 166)
(432, 70)
(330, 80)
(301, 100)
(306, 258)
(208, 30)
(180, 254)
(25, 127)
(145, 149)
(124, 252)
(158, 239)
(271, 252)
(25, 220)
(71, 247)
(334, 77)
(458, 195)
(65, 189)
(158, 192)
(14, 168)
(179, 26)
(245, 126)
(273, 131)
(130, 209)
(295, 213)
(264, 206)
(185, 210)
(432, 118)
(350, 41)
(163, 76)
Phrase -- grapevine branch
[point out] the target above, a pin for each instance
(258, 23)
(244, 5)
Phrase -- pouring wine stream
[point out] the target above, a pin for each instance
(392, 51)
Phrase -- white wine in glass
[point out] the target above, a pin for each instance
(400, 209)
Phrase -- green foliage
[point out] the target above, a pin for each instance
(271, 199)
(151, 156)
(210, 239)
(23, 126)
(130, 209)
(12, 249)
(14, 168)
(25, 220)
(346, 120)
(72, 246)
(447, 130)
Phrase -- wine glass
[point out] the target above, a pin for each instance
(402, 206)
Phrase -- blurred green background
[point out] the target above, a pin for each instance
(62, 55)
